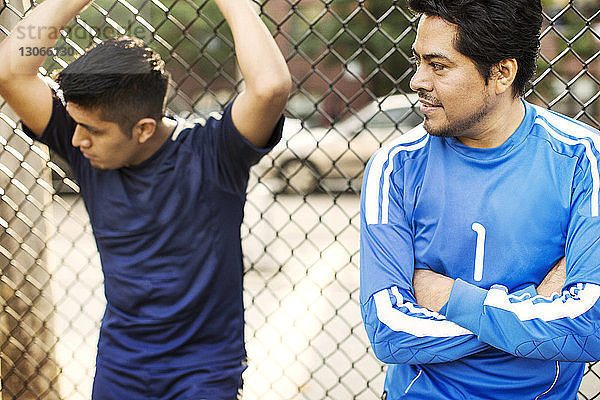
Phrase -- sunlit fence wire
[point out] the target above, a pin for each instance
(350, 64)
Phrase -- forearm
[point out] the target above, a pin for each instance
(520, 324)
(562, 328)
(39, 29)
(259, 106)
(261, 63)
(432, 290)
(401, 332)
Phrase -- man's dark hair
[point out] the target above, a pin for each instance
(122, 78)
(490, 31)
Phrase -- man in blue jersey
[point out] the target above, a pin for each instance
(165, 198)
(464, 218)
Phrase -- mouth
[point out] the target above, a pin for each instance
(428, 106)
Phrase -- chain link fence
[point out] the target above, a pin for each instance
(304, 335)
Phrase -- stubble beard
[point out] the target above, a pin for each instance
(459, 128)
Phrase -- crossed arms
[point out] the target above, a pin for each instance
(432, 290)
(416, 316)
(404, 323)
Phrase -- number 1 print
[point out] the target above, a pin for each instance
(480, 230)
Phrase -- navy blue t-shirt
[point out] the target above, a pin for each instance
(168, 234)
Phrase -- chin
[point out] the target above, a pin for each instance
(440, 131)
(98, 167)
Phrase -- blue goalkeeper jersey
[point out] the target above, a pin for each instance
(496, 220)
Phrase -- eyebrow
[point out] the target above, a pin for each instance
(430, 56)
(88, 127)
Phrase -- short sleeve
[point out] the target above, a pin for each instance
(58, 133)
(233, 153)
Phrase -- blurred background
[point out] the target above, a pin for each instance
(351, 69)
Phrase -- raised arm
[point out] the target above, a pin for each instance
(258, 108)
(27, 94)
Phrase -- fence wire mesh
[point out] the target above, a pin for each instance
(350, 64)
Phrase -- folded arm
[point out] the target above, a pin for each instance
(432, 290)
(400, 330)
(561, 323)
(564, 326)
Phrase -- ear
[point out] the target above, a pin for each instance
(144, 129)
(504, 74)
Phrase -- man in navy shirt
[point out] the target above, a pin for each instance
(165, 198)
(464, 218)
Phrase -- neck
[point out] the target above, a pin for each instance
(162, 133)
(164, 130)
(501, 122)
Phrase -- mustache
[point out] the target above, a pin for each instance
(428, 99)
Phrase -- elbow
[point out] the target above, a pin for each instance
(278, 92)
(583, 345)
(574, 349)
(279, 82)
(11, 71)
(275, 90)
(283, 82)
(574, 340)
(570, 348)
(7, 80)
(390, 349)
(383, 353)
(284, 88)
(395, 353)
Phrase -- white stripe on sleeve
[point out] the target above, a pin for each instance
(377, 199)
(558, 127)
(430, 324)
(571, 304)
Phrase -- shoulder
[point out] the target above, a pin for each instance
(383, 174)
(566, 135)
(579, 142)
(393, 156)
(194, 129)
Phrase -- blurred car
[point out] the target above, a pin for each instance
(333, 159)
(311, 159)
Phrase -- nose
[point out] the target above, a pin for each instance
(420, 81)
(80, 138)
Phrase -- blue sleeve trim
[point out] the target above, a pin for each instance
(466, 305)
(529, 290)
